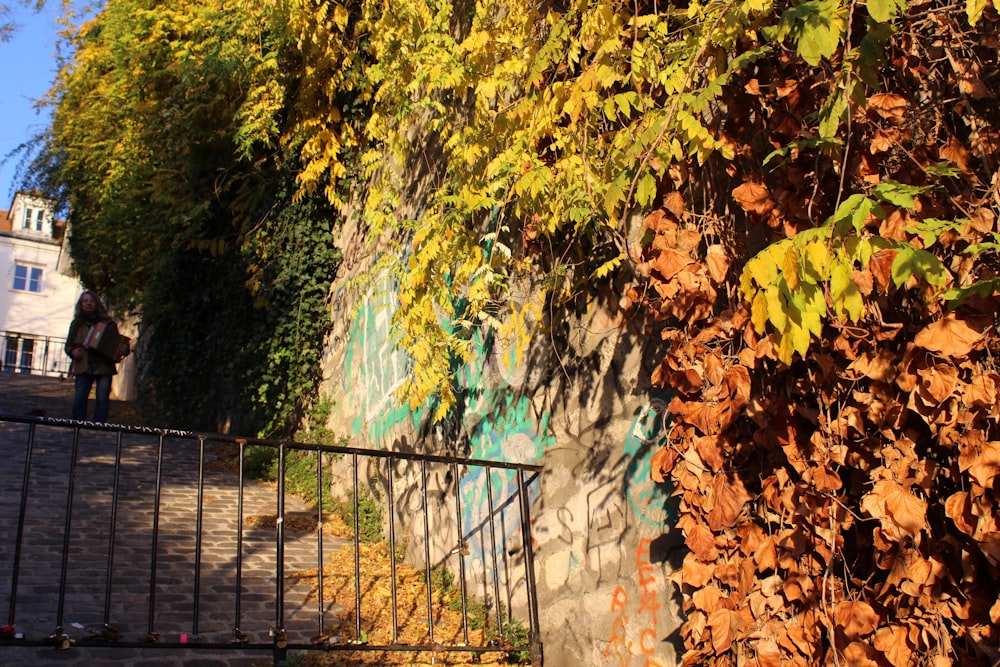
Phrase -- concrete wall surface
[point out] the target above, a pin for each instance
(601, 529)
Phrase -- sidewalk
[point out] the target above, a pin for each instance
(149, 468)
(22, 394)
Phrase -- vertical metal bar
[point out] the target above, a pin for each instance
(111, 531)
(357, 550)
(18, 540)
(239, 543)
(66, 530)
(156, 537)
(392, 552)
(427, 552)
(460, 550)
(319, 540)
(279, 566)
(493, 550)
(529, 570)
(198, 522)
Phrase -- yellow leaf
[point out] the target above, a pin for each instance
(758, 311)
(790, 268)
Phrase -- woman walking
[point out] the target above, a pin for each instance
(96, 347)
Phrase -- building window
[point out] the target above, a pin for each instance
(27, 278)
(33, 214)
(10, 354)
(27, 355)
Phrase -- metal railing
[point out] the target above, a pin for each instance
(33, 354)
(157, 539)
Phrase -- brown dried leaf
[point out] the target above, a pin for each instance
(723, 623)
(659, 222)
(662, 464)
(706, 598)
(952, 335)
(892, 642)
(983, 393)
(754, 197)
(890, 106)
(670, 262)
(858, 654)
(823, 478)
(674, 202)
(881, 268)
(953, 151)
(882, 141)
(937, 383)
(717, 262)
(710, 450)
(905, 509)
(880, 366)
(701, 541)
(959, 509)
(855, 618)
(980, 458)
(768, 653)
(696, 573)
(891, 502)
(729, 496)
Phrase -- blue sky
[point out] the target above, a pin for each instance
(27, 69)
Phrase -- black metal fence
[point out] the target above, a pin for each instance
(115, 536)
(37, 355)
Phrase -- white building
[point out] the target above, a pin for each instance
(38, 291)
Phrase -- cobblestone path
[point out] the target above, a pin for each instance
(139, 599)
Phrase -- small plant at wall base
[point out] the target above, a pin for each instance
(261, 462)
(369, 515)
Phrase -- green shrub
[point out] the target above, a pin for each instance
(369, 515)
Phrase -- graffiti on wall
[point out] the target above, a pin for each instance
(498, 423)
(375, 368)
(636, 615)
(649, 501)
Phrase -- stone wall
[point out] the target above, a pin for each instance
(570, 395)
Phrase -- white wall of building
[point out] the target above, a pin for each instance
(36, 300)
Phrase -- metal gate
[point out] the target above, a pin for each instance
(115, 537)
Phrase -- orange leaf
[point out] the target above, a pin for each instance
(701, 541)
(730, 497)
(662, 464)
(695, 572)
(823, 478)
(888, 105)
(981, 459)
(877, 367)
(892, 642)
(882, 141)
(858, 654)
(881, 267)
(891, 502)
(670, 262)
(983, 392)
(723, 623)
(937, 383)
(855, 619)
(674, 202)
(718, 263)
(768, 653)
(952, 336)
(958, 509)
(753, 197)
(906, 510)
(710, 450)
(953, 151)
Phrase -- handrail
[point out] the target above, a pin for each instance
(170, 462)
